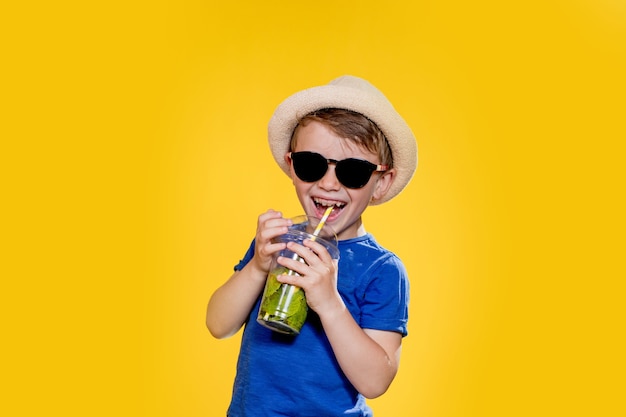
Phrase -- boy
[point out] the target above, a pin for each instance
(343, 145)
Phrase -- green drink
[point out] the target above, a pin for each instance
(283, 306)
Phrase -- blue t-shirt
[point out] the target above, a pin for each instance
(284, 375)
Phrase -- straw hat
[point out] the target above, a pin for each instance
(355, 94)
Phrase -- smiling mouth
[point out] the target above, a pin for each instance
(322, 204)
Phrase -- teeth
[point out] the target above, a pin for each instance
(328, 203)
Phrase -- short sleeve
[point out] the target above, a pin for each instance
(385, 302)
(249, 254)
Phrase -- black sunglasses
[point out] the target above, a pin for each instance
(351, 172)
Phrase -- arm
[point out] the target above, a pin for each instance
(231, 303)
(369, 358)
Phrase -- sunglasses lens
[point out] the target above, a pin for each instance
(354, 173)
(309, 166)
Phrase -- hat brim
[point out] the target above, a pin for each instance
(355, 94)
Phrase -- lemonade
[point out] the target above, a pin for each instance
(284, 307)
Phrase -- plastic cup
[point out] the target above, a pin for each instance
(283, 306)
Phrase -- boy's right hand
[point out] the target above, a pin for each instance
(270, 225)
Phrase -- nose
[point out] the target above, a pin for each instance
(329, 181)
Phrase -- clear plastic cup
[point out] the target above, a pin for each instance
(283, 306)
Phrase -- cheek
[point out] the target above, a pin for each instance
(301, 187)
(362, 196)
(297, 182)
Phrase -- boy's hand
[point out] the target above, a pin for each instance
(270, 225)
(318, 277)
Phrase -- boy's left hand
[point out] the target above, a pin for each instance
(318, 277)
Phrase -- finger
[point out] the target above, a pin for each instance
(272, 218)
(269, 233)
(305, 253)
(293, 264)
(272, 248)
(269, 214)
(273, 227)
(290, 279)
(319, 249)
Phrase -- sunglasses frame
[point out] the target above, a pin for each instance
(371, 166)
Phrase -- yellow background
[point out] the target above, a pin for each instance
(134, 163)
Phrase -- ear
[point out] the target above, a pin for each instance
(383, 183)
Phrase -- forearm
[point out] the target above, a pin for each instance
(230, 305)
(368, 365)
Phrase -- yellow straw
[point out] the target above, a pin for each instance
(322, 221)
(295, 256)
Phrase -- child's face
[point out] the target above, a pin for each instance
(316, 196)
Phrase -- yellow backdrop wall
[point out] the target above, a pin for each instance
(135, 164)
